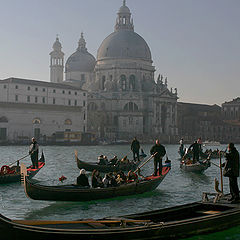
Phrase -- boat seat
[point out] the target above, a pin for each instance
(97, 225)
(209, 212)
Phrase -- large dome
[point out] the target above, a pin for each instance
(81, 60)
(124, 44)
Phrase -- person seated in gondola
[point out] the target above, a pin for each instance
(105, 159)
(121, 178)
(140, 176)
(82, 179)
(101, 160)
(132, 176)
(112, 181)
(113, 161)
(96, 179)
(125, 160)
(106, 180)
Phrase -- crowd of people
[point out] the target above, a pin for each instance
(114, 179)
(109, 180)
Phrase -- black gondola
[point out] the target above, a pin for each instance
(170, 223)
(90, 166)
(76, 193)
(197, 167)
(14, 174)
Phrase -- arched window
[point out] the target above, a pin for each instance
(132, 82)
(131, 107)
(123, 83)
(68, 122)
(36, 121)
(3, 119)
(92, 106)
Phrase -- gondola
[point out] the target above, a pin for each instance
(13, 174)
(197, 167)
(90, 166)
(76, 193)
(170, 223)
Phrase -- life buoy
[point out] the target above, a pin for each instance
(5, 169)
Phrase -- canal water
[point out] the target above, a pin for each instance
(177, 188)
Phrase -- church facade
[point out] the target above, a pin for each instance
(124, 98)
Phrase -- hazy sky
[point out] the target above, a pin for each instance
(195, 43)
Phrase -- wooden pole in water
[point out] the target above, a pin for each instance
(221, 174)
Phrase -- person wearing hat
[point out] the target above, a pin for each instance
(33, 152)
(231, 170)
(82, 179)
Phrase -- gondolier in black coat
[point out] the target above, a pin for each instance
(161, 151)
(135, 146)
(196, 151)
(231, 170)
(33, 152)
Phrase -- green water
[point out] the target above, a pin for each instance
(177, 188)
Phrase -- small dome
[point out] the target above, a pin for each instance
(57, 45)
(124, 10)
(81, 60)
(124, 44)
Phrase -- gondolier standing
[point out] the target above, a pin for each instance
(196, 151)
(135, 146)
(161, 151)
(231, 170)
(33, 152)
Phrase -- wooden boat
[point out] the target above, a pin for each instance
(90, 166)
(14, 174)
(170, 223)
(195, 167)
(77, 193)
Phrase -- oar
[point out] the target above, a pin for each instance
(145, 162)
(221, 174)
(19, 160)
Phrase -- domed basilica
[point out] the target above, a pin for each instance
(124, 99)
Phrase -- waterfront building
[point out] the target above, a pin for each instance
(41, 109)
(124, 97)
(210, 122)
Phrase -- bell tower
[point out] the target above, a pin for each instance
(56, 62)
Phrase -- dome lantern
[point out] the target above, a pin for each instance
(124, 20)
(82, 44)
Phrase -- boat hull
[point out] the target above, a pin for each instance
(75, 193)
(196, 167)
(170, 223)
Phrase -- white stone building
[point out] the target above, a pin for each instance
(124, 99)
(42, 109)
